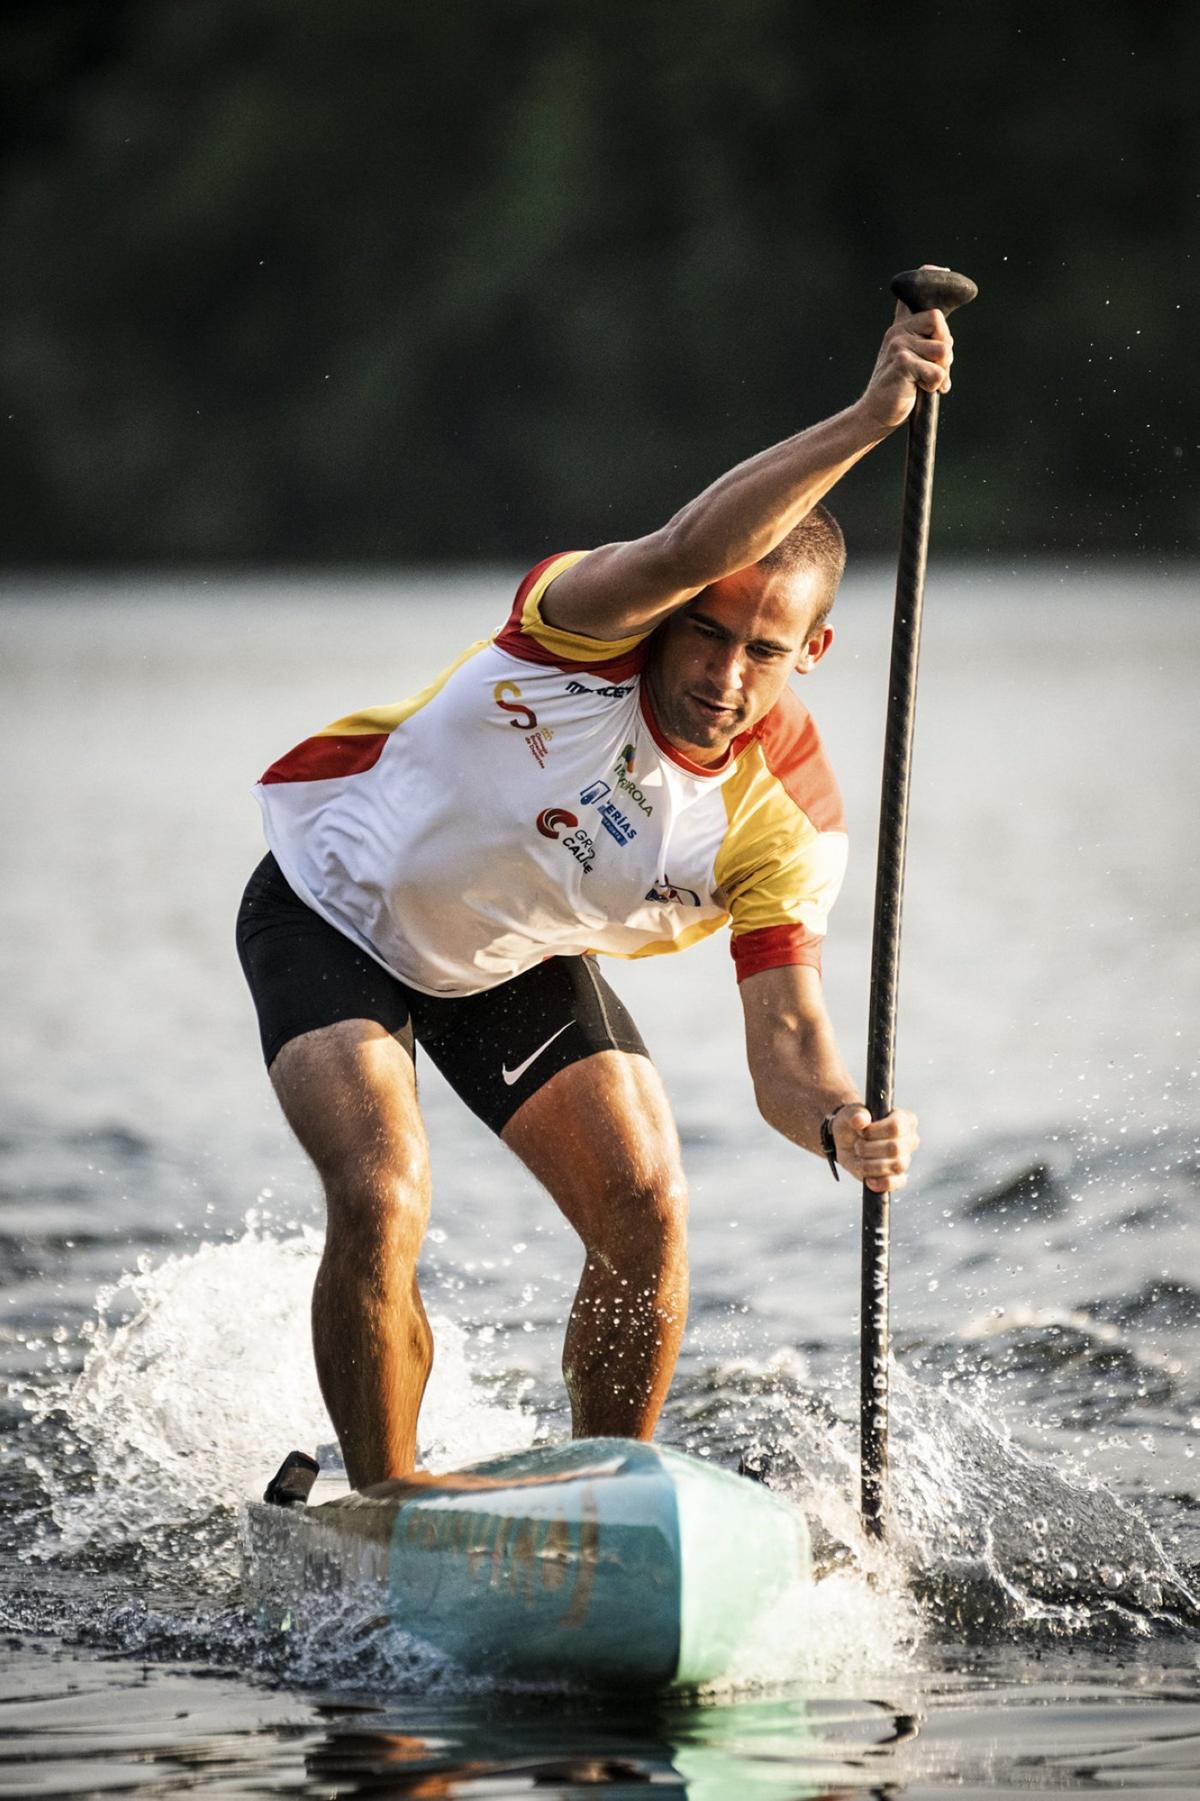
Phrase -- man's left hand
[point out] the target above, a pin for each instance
(876, 1151)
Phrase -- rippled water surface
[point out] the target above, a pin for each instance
(1034, 1623)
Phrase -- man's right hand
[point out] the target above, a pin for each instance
(876, 1151)
(916, 352)
(626, 589)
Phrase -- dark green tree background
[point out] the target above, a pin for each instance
(387, 280)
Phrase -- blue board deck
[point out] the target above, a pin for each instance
(604, 1561)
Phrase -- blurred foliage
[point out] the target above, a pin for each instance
(286, 281)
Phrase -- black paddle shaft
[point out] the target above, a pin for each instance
(920, 290)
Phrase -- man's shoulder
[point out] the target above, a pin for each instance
(529, 637)
(792, 750)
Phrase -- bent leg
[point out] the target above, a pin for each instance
(600, 1136)
(349, 1094)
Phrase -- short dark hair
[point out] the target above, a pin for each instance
(816, 543)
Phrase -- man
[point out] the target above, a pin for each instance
(623, 768)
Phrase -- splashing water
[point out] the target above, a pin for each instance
(991, 1539)
(999, 1541)
(182, 1410)
(198, 1374)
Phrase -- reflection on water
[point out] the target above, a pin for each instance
(72, 1726)
(1034, 1622)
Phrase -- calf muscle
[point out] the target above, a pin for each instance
(349, 1094)
(600, 1137)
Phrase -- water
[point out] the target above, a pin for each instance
(1034, 1623)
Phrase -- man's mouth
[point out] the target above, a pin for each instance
(715, 710)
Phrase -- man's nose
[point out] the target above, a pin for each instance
(729, 668)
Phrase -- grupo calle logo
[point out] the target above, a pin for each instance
(549, 820)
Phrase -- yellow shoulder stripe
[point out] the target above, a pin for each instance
(386, 718)
(572, 646)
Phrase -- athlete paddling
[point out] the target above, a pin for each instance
(622, 769)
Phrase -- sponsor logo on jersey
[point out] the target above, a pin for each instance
(582, 848)
(539, 745)
(612, 692)
(507, 696)
(550, 818)
(626, 783)
(580, 843)
(667, 894)
(615, 822)
(611, 816)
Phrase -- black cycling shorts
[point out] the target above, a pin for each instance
(495, 1049)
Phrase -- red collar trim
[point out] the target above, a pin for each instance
(674, 755)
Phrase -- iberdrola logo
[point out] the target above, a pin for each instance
(623, 770)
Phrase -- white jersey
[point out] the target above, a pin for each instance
(526, 805)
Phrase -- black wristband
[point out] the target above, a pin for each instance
(827, 1140)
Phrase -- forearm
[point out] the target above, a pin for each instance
(800, 1080)
(746, 512)
(630, 587)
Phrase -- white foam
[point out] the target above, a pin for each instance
(845, 1628)
(187, 1406)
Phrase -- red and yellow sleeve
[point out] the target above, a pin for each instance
(529, 636)
(783, 859)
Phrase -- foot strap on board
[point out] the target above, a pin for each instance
(292, 1482)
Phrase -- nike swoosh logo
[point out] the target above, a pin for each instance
(514, 1075)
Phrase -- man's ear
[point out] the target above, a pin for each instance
(814, 650)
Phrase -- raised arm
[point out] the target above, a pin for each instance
(623, 589)
(800, 1079)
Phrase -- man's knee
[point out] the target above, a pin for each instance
(645, 1220)
(382, 1204)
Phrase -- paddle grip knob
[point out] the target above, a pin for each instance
(923, 289)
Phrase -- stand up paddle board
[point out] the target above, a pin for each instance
(605, 1561)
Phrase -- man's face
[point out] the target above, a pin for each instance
(722, 662)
